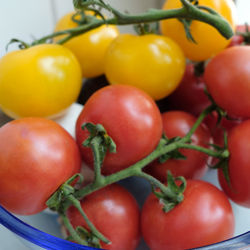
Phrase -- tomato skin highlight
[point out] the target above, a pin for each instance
(178, 123)
(227, 77)
(204, 217)
(36, 156)
(130, 117)
(203, 34)
(90, 47)
(43, 81)
(150, 62)
(115, 213)
(239, 165)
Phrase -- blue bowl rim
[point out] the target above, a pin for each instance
(48, 241)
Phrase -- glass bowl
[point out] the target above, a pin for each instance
(48, 235)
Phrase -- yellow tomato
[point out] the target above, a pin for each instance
(90, 47)
(208, 40)
(43, 80)
(150, 62)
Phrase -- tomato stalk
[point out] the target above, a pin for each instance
(188, 11)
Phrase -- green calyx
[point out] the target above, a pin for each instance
(173, 194)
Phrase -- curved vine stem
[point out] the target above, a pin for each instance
(187, 11)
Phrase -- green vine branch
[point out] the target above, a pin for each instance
(188, 11)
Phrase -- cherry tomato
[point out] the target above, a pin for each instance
(241, 39)
(115, 213)
(130, 117)
(208, 40)
(204, 217)
(36, 156)
(217, 130)
(239, 165)
(43, 80)
(190, 95)
(90, 47)
(227, 77)
(150, 62)
(178, 123)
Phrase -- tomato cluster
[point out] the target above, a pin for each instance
(37, 156)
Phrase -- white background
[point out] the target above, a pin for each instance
(28, 19)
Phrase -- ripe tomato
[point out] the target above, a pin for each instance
(43, 80)
(227, 77)
(90, 47)
(239, 39)
(239, 165)
(130, 117)
(190, 95)
(208, 40)
(217, 130)
(115, 213)
(150, 62)
(178, 123)
(204, 217)
(36, 156)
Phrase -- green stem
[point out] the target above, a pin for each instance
(199, 120)
(188, 11)
(91, 226)
(217, 154)
(165, 190)
(97, 159)
(72, 231)
(133, 170)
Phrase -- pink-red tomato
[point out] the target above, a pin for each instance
(178, 123)
(130, 117)
(190, 95)
(36, 156)
(204, 217)
(227, 77)
(115, 213)
(217, 130)
(239, 39)
(239, 165)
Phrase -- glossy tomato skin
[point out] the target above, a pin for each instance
(115, 213)
(239, 165)
(189, 96)
(36, 156)
(204, 217)
(90, 47)
(150, 62)
(227, 77)
(204, 34)
(178, 123)
(130, 117)
(43, 81)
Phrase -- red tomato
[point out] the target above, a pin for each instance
(190, 95)
(130, 117)
(217, 130)
(204, 217)
(239, 39)
(114, 212)
(227, 77)
(36, 156)
(178, 123)
(239, 165)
